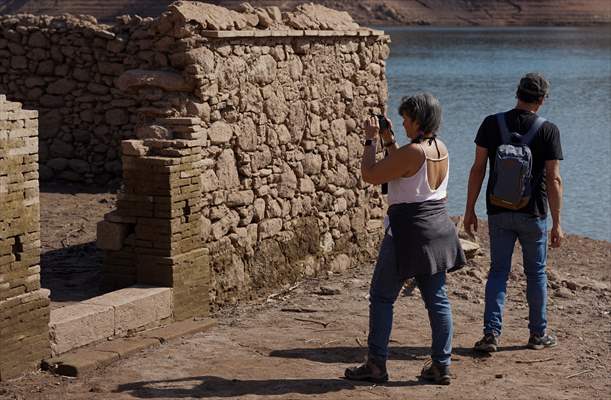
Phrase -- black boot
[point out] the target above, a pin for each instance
(435, 372)
(371, 371)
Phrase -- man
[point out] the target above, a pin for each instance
(525, 221)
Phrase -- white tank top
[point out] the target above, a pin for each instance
(416, 188)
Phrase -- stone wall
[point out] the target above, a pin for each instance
(65, 68)
(24, 306)
(279, 98)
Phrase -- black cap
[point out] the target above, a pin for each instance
(534, 84)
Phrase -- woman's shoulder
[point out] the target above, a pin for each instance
(411, 148)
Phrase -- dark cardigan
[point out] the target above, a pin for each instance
(425, 238)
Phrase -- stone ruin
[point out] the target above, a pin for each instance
(274, 114)
(237, 134)
(24, 306)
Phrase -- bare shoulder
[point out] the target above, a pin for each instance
(411, 150)
(412, 157)
(432, 148)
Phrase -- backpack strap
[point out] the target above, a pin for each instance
(528, 137)
(505, 135)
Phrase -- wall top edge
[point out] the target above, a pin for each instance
(289, 33)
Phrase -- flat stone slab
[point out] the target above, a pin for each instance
(137, 307)
(179, 329)
(126, 346)
(80, 324)
(113, 314)
(81, 361)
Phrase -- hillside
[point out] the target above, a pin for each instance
(366, 12)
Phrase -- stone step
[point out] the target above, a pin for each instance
(115, 314)
(86, 359)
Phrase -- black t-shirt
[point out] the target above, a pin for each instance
(544, 146)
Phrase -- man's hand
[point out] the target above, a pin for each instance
(556, 236)
(476, 177)
(554, 198)
(470, 222)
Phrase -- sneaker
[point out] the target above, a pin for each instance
(487, 344)
(538, 342)
(369, 371)
(435, 372)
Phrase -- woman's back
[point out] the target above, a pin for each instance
(429, 182)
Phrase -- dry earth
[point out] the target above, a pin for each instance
(295, 344)
(70, 262)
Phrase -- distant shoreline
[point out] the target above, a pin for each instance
(433, 13)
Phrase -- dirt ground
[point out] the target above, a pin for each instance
(70, 261)
(295, 343)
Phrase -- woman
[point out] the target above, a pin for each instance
(420, 239)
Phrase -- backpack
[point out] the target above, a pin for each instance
(511, 185)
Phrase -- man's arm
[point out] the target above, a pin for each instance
(476, 178)
(554, 197)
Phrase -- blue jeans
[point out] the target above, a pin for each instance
(531, 231)
(385, 287)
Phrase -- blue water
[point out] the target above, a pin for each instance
(474, 73)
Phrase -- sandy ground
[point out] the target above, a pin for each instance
(296, 343)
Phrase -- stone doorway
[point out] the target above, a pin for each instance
(71, 263)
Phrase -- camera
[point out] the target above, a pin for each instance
(383, 122)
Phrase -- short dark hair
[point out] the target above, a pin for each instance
(423, 108)
(532, 88)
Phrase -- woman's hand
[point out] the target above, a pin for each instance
(386, 134)
(371, 128)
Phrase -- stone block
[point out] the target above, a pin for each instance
(79, 362)
(80, 324)
(133, 148)
(110, 235)
(137, 307)
(470, 248)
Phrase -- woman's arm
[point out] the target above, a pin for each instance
(389, 142)
(400, 162)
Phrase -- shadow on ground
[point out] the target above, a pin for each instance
(72, 273)
(215, 386)
(75, 187)
(346, 354)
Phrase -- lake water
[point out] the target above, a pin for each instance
(474, 72)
